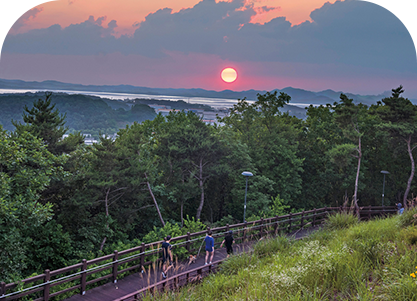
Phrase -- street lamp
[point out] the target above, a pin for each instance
(247, 174)
(383, 185)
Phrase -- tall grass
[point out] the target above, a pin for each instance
(365, 261)
(340, 220)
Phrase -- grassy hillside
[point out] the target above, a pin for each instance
(368, 261)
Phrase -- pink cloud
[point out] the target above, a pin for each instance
(261, 12)
(11, 20)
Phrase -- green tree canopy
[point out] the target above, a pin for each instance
(43, 122)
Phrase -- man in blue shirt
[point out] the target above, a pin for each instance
(209, 246)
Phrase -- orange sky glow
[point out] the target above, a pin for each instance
(132, 12)
(174, 48)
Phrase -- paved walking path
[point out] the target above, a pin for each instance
(137, 281)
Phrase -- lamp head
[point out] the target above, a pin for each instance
(247, 174)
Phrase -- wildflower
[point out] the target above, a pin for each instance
(413, 275)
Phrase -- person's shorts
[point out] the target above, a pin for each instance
(229, 249)
(209, 250)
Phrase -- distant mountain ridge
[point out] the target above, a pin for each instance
(298, 96)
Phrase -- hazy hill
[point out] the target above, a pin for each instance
(86, 113)
(297, 95)
(83, 112)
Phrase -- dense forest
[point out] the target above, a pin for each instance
(62, 200)
(88, 114)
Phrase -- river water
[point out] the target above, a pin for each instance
(217, 103)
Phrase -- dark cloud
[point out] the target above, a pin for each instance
(198, 29)
(349, 32)
(11, 19)
(86, 38)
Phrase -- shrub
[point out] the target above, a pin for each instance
(409, 235)
(271, 246)
(340, 221)
(408, 218)
(235, 263)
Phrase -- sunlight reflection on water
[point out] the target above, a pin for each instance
(217, 103)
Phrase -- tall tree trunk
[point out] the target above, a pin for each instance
(154, 201)
(410, 179)
(201, 183)
(182, 213)
(106, 204)
(355, 195)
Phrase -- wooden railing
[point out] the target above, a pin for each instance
(83, 275)
(174, 282)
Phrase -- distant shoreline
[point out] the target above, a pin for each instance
(216, 103)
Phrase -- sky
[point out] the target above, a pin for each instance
(350, 46)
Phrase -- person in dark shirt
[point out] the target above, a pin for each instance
(228, 241)
(209, 246)
(166, 256)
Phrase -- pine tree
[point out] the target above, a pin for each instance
(44, 122)
(400, 116)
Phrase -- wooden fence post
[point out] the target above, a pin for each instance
(115, 265)
(262, 227)
(276, 225)
(227, 227)
(289, 223)
(83, 276)
(176, 282)
(142, 255)
(369, 211)
(188, 241)
(244, 232)
(47, 285)
(314, 217)
(302, 219)
(2, 289)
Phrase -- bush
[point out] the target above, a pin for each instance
(158, 234)
(409, 235)
(272, 246)
(236, 263)
(408, 218)
(340, 221)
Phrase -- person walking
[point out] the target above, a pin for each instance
(400, 209)
(228, 241)
(209, 246)
(166, 256)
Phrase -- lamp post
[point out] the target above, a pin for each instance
(383, 185)
(247, 174)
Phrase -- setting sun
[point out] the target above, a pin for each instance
(229, 75)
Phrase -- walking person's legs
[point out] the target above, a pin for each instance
(164, 269)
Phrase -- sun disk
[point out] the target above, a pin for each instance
(229, 75)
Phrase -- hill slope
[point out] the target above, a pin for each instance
(369, 261)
